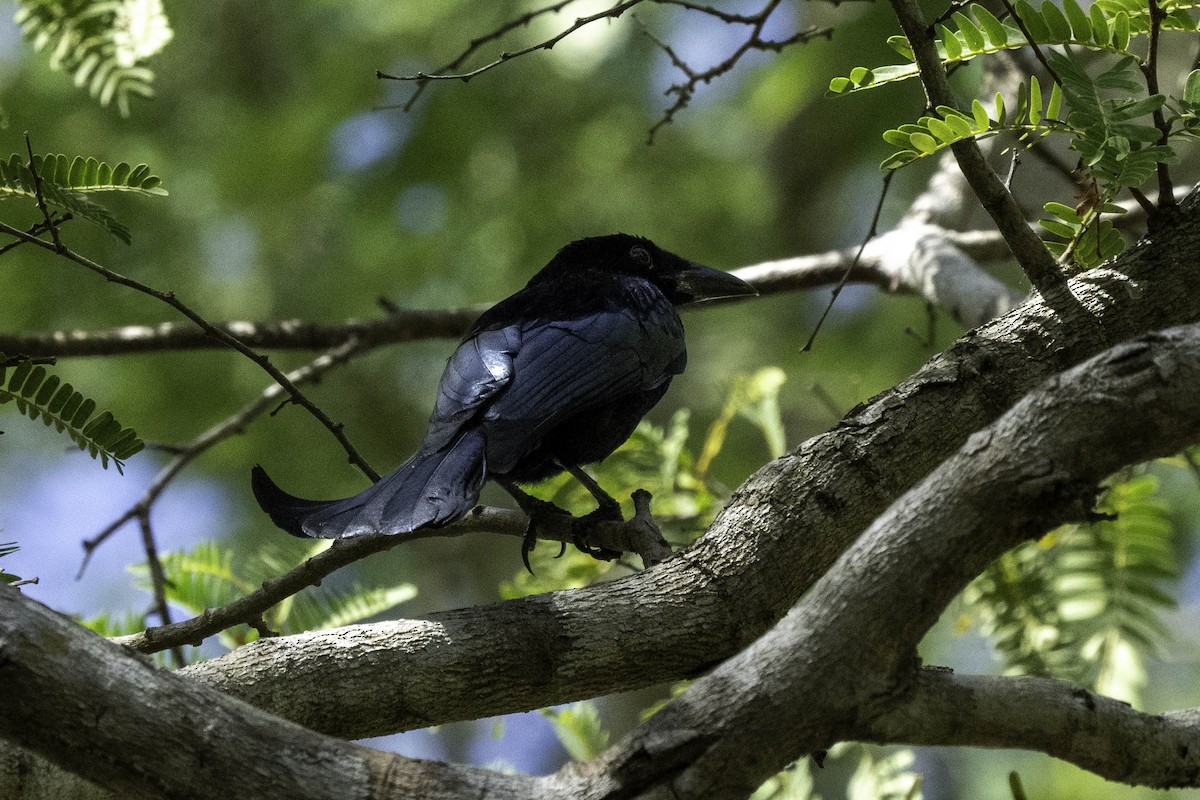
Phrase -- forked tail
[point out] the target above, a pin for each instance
(430, 489)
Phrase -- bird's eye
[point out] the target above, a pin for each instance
(640, 256)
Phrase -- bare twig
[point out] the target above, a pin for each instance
(211, 330)
(1037, 51)
(158, 581)
(547, 44)
(686, 89)
(837, 289)
(478, 42)
(1150, 70)
(48, 220)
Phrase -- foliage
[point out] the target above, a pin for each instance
(579, 729)
(102, 44)
(206, 577)
(40, 395)
(1083, 603)
(69, 183)
(7, 549)
(1108, 103)
(110, 625)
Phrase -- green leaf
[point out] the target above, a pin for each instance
(894, 161)
(992, 27)
(102, 45)
(580, 730)
(69, 185)
(941, 130)
(1191, 88)
(1055, 105)
(901, 45)
(1121, 31)
(1058, 27)
(982, 120)
(971, 33)
(1081, 26)
(1063, 212)
(924, 143)
(1058, 228)
(951, 44)
(1035, 100)
(42, 396)
(1034, 21)
(1101, 34)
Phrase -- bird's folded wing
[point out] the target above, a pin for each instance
(563, 368)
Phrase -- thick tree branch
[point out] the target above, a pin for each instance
(113, 718)
(1102, 735)
(842, 658)
(847, 652)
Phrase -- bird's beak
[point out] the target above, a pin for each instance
(696, 284)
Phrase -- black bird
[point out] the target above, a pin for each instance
(555, 376)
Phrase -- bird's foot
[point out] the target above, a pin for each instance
(538, 511)
(581, 525)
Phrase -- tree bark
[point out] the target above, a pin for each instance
(842, 662)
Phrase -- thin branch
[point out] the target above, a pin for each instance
(48, 220)
(872, 232)
(1150, 70)
(1041, 268)
(158, 581)
(618, 536)
(224, 337)
(1029, 37)
(423, 77)
(478, 42)
(230, 426)
(686, 89)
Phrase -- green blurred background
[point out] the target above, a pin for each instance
(299, 190)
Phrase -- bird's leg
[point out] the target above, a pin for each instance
(607, 507)
(607, 510)
(534, 508)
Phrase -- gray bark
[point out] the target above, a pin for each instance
(841, 663)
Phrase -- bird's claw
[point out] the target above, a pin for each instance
(606, 512)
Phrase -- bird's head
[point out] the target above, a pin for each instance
(682, 281)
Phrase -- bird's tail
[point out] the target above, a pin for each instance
(430, 489)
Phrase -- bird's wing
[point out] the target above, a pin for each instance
(480, 367)
(563, 368)
(520, 379)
